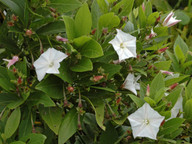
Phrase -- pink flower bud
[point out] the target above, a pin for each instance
(59, 38)
(10, 23)
(166, 72)
(97, 78)
(143, 6)
(173, 86)
(152, 34)
(148, 90)
(11, 61)
(93, 31)
(28, 32)
(162, 50)
(14, 18)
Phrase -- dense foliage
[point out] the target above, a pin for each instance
(93, 93)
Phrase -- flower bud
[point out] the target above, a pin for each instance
(173, 86)
(28, 32)
(162, 50)
(148, 90)
(70, 89)
(14, 18)
(59, 38)
(97, 78)
(10, 23)
(19, 81)
(93, 31)
(166, 72)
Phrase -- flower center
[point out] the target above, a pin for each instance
(146, 121)
(122, 45)
(51, 64)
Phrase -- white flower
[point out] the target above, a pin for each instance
(170, 20)
(48, 62)
(152, 34)
(124, 44)
(131, 83)
(145, 122)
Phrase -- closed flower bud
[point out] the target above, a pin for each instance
(173, 86)
(28, 32)
(162, 50)
(70, 89)
(97, 78)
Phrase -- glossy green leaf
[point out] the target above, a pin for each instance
(188, 90)
(65, 73)
(179, 54)
(83, 21)
(34, 138)
(103, 5)
(99, 112)
(163, 65)
(110, 135)
(68, 126)
(18, 142)
(183, 46)
(156, 84)
(175, 80)
(25, 126)
(70, 27)
(52, 28)
(83, 65)
(150, 101)
(12, 123)
(95, 13)
(188, 109)
(52, 86)
(171, 125)
(63, 6)
(40, 98)
(108, 20)
(139, 102)
(52, 117)
(142, 18)
(151, 19)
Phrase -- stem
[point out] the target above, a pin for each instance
(2, 113)
(80, 103)
(49, 41)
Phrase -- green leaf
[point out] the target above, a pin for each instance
(34, 138)
(91, 49)
(157, 84)
(65, 73)
(95, 13)
(139, 102)
(22, 66)
(171, 126)
(12, 123)
(70, 27)
(52, 86)
(68, 126)
(150, 101)
(83, 21)
(159, 95)
(188, 109)
(121, 120)
(10, 100)
(40, 98)
(52, 117)
(173, 96)
(52, 28)
(181, 15)
(64, 6)
(179, 54)
(163, 65)
(142, 17)
(103, 5)
(169, 82)
(110, 135)
(108, 20)
(99, 112)
(183, 46)
(148, 8)
(83, 65)
(25, 127)
(126, 6)
(151, 19)
(162, 5)
(188, 90)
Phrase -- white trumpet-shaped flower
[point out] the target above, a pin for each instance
(131, 83)
(124, 44)
(170, 20)
(145, 122)
(48, 62)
